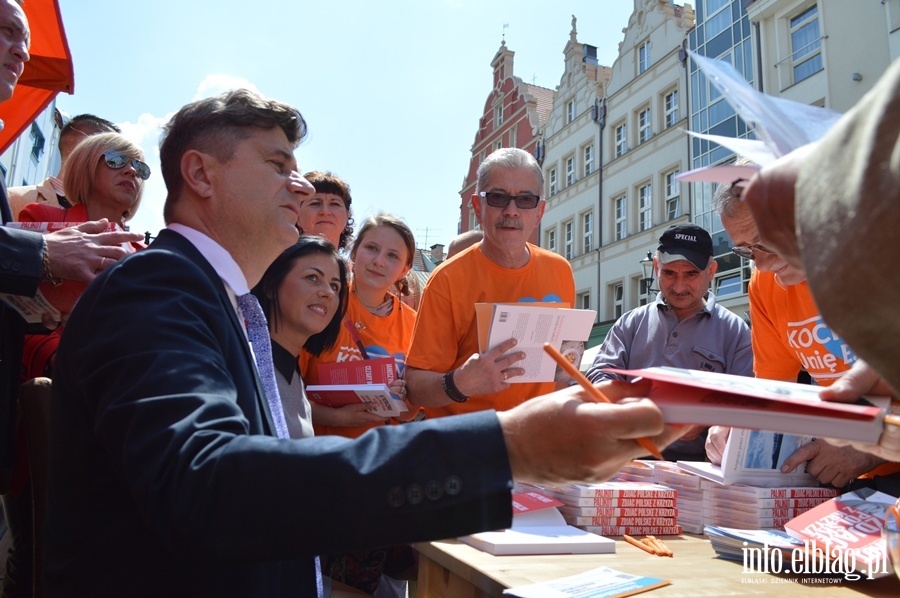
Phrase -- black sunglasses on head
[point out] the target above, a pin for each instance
(117, 160)
(495, 199)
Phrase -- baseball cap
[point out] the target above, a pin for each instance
(686, 242)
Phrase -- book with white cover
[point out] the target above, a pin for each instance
(710, 398)
(755, 458)
(533, 325)
(541, 530)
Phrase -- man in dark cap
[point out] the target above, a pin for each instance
(683, 328)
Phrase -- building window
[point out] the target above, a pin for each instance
(587, 230)
(513, 137)
(643, 57)
(671, 108)
(570, 111)
(645, 207)
(806, 44)
(644, 125)
(551, 240)
(569, 240)
(621, 218)
(37, 142)
(498, 115)
(584, 300)
(618, 300)
(496, 145)
(570, 171)
(588, 159)
(554, 183)
(643, 291)
(621, 145)
(729, 284)
(673, 196)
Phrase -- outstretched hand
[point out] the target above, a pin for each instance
(81, 252)
(565, 437)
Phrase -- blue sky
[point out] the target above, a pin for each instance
(392, 91)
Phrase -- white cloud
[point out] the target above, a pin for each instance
(216, 84)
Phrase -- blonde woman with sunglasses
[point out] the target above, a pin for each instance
(104, 178)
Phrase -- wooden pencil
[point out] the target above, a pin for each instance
(598, 396)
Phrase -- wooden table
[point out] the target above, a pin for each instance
(451, 569)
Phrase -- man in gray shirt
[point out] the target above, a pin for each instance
(683, 328)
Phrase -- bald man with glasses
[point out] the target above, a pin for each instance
(446, 374)
(788, 336)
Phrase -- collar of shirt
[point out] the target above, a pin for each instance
(221, 261)
(284, 362)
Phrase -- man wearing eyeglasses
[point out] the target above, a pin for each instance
(789, 336)
(446, 374)
(685, 327)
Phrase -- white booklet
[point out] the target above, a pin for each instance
(601, 582)
(539, 528)
(532, 326)
(754, 457)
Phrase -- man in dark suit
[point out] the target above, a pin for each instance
(165, 477)
(26, 258)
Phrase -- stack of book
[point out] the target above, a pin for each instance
(689, 488)
(637, 471)
(753, 507)
(617, 508)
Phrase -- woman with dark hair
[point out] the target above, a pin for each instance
(328, 213)
(304, 296)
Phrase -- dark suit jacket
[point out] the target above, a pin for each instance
(165, 479)
(21, 269)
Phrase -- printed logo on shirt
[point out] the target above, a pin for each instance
(548, 298)
(819, 349)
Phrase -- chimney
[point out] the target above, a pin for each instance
(437, 253)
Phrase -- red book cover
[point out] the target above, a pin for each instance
(848, 529)
(569, 511)
(626, 521)
(525, 502)
(633, 530)
(359, 371)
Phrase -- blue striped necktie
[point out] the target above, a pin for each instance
(258, 334)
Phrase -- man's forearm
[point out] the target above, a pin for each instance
(426, 388)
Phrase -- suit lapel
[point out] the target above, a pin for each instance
(172, 241)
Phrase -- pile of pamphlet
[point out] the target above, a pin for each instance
(753, 507)
(617, 508)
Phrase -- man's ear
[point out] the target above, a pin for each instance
(198, 172)
(476, 205)
(713, 268)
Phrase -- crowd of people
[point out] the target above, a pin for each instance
(185, 456)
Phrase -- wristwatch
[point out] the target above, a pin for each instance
(450, 388)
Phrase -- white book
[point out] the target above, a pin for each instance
(541, 531)
(755, 458)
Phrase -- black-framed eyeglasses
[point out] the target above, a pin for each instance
(747, 251)
(117, 160)
(496, 199)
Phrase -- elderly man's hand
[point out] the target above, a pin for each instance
(862, 380)
(488, 372)
(829, 464)
(565, 437)
(81, 252)
(715, 443)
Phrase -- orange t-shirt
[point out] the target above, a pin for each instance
(386, 336)
(788, 334)
(446, 333)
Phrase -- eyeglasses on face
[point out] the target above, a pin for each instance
(747, 251)
(117, 160)
(496, 199)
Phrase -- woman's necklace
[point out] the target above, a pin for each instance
(381, 310)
